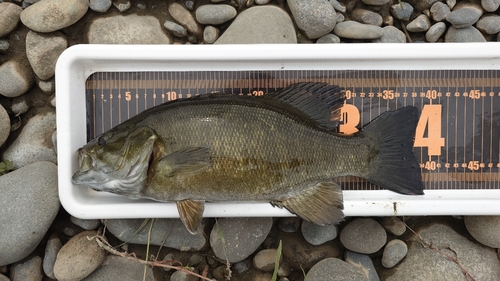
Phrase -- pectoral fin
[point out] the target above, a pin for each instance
(191, 213)
(188, 160)
(321, 204)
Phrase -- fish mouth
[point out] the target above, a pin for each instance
(85, 163)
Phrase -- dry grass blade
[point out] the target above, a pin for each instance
(430, 246)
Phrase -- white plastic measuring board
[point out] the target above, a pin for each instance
(455, 86)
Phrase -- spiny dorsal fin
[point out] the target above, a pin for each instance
(191, 213)
(321, 204)
(319, 101)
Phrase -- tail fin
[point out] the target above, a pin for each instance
(395, 166)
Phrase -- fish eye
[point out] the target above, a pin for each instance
(101, 141)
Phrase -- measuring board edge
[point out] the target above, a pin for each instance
(78, 62)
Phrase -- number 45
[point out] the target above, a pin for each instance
(430, 119)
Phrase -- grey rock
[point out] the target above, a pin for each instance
(114, 266)
(4, 45)
(184, 276)
(9, 17)
(100, 6)
(28, 270)
(439, 11)
(363, 235)
(52, 15)
(177, 236)
(274, 26)
(376, 2)
(16, 79)
(467, 34)
(241, 266)
(175, 28)
(422, 5)
(451, 3)
(337, 6)
(317, 234)
(19, 106)
(47, 87)
(422, 263)
(356, 30)
(131, 29)
(122, 5)
(262, 2)
(43, 50)
(402, 11)
(79, 257)
(184, 18)
(435, 32)
(391, 35)
(300, 254)
(367, 17)
(29, 195)
(485, 229)
(265, 259)
(393, 225)
(394, 252)
(49, 259)
(489, 24)
(210, 34)
(4, 125)
(4, 278)
(465, 16)
(289, 224)
(34, 143)
(215, 14)
(314, 17)
(364, 263)
(419, 24)
(325, 269)
(328, 39)
(86, 224)
(234, 239)
(490, 5)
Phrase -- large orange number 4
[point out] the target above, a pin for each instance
(430, 118)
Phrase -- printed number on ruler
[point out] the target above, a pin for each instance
(430, 119)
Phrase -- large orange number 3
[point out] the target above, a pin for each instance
(430, 119)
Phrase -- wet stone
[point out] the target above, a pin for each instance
(402, 11)
(215, 14)
(419, 24)
(317, 234)
(364, 263)
(435, 32)
(394, 252)
(175, 28)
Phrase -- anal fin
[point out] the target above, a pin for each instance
(321, 204)
(191, 213)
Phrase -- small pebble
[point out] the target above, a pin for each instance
(391, 35)
(100, 6)
(393, 225)
(467, 34)
(4, 125)
(364, 263)
(189, 5)
(284, 269)
(51, 249)
(376, 2)
(19, 105)
(47, 87)
(402, 11)
(367, 17)
(86, 224)
(4, 45)
(27, 270)
(168, 260)
(122, 5)
(184, 276)
(317, 234)
(337, 6)
(439, 11)
(10, 14)
(464, 17)
(490, 5)
(265, 259)
(242, 266)
(419, 24)
(363, 235)
(435, 32)
(262, 2)
(356, 30)
(176, 29)
(451, 3)
(215, 14)
(328, 39)
(196, 259)
(394, 252)
(289, 224)
(141, 6)
(489, 24)
(210, 34)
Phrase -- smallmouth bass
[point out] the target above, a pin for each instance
(281, 148)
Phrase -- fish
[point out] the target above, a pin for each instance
(282, 147)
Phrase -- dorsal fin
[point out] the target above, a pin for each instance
(319, 101)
